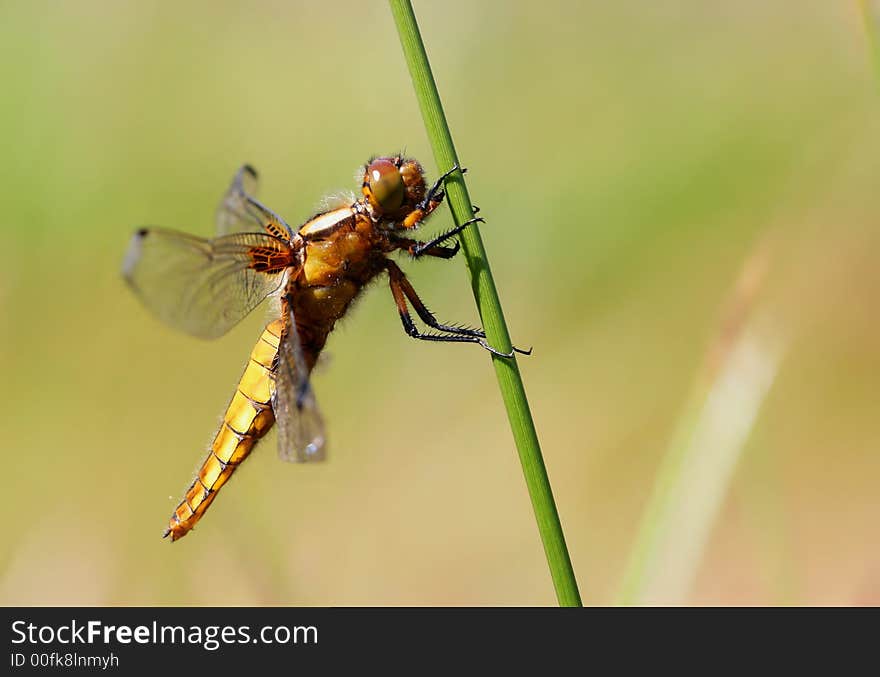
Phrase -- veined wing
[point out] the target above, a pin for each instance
(240, 212)
(204, 287)
(301, 434)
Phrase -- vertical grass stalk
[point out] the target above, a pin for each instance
(709, 439)
(486, 296)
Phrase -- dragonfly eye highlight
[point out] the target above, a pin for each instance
(383, 185)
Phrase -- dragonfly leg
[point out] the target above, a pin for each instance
(452, 232)
(440, 252)
(435, 192)
(422, 311)
(402, 291)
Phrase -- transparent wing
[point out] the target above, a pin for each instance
(240, 212)
(203, 287)
(301, 434)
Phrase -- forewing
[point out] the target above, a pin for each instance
(203, 287)
(240, 212)
(301, 435)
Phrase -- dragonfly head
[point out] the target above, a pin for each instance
(393, 186)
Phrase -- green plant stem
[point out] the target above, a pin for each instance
(694, 477)
(486, 295)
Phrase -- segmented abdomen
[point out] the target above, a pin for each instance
(248, 417)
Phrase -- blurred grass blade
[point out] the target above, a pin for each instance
(694, 475)
(489, 305)
(871, 18)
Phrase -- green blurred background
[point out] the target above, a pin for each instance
(628, 158)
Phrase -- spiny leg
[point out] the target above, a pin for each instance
(418, 249)
(432, 200)
(452, 232)
(410, 328)
(439, 252)
(435, 192)
(398, 278)
(401, 289)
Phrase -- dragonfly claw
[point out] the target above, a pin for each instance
(499, 353)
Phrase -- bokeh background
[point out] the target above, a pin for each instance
(630, 159)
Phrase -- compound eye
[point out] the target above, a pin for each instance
(385, 185)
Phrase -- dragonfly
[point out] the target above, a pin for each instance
(205, 286)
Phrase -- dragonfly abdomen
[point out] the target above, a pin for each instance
(248, 417)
